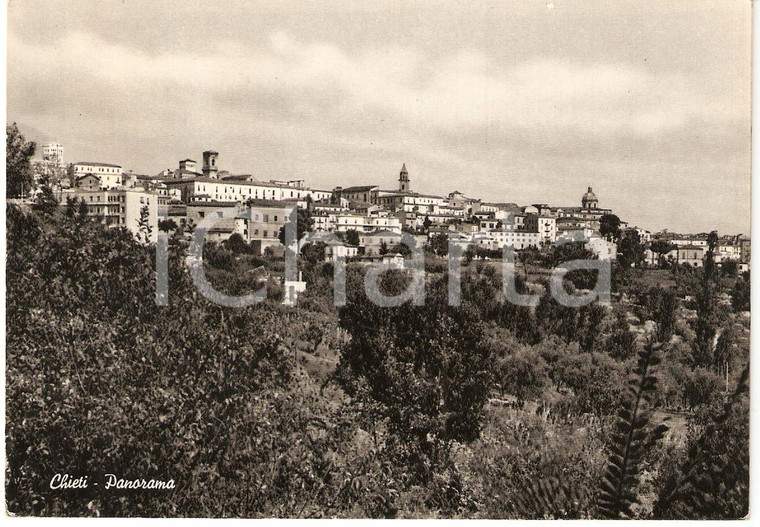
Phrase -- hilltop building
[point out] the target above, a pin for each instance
(109, 175)
(53, 153)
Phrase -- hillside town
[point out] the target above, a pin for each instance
(182, 197)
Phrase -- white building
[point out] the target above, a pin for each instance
(211, 189)
(546, 226)
(110, 175)
(603, 249)
(335, 251)
(53, 152)
(343, 222)
(120, 208)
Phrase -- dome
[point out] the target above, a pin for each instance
(589, 196)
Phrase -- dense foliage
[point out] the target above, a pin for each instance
(483, 409)
(18, 155)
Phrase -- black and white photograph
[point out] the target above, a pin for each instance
(378, 260)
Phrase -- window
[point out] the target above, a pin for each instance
(266, 233)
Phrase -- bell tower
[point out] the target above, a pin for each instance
(403, 179)
(210, 170)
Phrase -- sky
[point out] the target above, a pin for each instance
(530, 102)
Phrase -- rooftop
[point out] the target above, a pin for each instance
(95, 164)
(363, 188)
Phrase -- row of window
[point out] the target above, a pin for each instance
(202, 188)
(264, 218)
(102, 170)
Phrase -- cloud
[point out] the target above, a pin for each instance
(467, 119)
(466, 92)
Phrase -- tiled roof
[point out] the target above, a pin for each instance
(381, 232)
(365, 188)
(212, 204)
(238, 177)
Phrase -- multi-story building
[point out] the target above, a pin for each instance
(644, 235)
(87, 182)
(209, 189)
(546, 226)
(259, 222)
(53, 153)
(333, 252)
(516, 239)
(373, 242)
(120, 208)
(587, 215)
(411, 202)
(347, 222)
(110, 175)
(266, 220)
(469, 205)
(363, 193)
(745, 248)
(693, 255)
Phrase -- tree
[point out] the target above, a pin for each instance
(383, 248)
(522, 375)
(18, 155)
(426, 224)
(621, 344)
(712, 480)
(665, 315)
(352, 237)
(609, 227)
(143, 224)
(583, 279)
(439, 244)
(425, 371)
(402, 249)
(592, 318)
(630, 250)
(313, 253)
(661, 248)
(46, 200)
(707, 308)
(596, 380)
(71, 206)
(729, 267)
(167, 225)
(740, 294)
(529, 256)
(701, 387)
(725, 352)
(83, 210)
(73, 393)
(236, 244)
(304, 224)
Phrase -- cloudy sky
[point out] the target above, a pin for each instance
(530, 101)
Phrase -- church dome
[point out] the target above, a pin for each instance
(589, 200)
